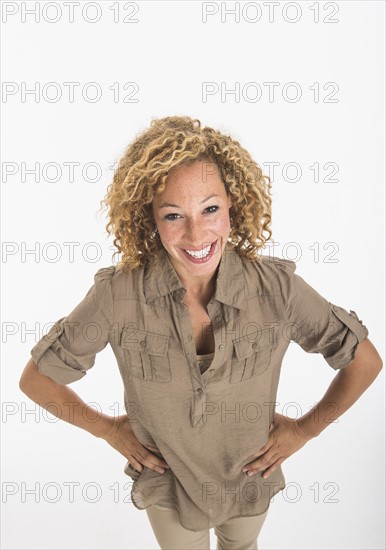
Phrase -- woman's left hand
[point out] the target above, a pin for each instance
(285, 438)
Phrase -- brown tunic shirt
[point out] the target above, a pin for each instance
(207, 415)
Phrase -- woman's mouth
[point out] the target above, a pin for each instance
(201, 256)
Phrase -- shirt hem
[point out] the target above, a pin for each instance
(227, 519)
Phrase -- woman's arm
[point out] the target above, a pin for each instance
(62, 402)
(289, 435)
(347, 386)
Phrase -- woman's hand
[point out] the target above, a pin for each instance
(121, 437)
(285, 438)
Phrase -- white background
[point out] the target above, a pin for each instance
(170, 52)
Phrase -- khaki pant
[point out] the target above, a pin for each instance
(234, 534)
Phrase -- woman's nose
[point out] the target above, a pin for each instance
(194, 233)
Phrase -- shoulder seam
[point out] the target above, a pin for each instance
(103, 274)
(285, 266)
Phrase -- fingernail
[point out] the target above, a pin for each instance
(250, 473)
(161, 470)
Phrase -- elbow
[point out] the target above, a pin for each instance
(23, 385)
(34, 384)
(368, 355)
(376, 365)
(379, 364)
(29, 377)
(376, 360)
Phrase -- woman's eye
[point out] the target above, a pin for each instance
(167, 217)
(216, 207)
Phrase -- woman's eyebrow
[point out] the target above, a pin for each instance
(166, 204)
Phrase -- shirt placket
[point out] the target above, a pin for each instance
(200, 381)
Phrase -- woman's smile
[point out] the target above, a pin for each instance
(200, 256)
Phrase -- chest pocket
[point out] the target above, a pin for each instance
(146, 355)
(251, 355)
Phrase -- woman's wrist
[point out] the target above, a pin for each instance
(103, 427)
(111, 424)
(304, 428)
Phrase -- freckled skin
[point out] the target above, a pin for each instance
(193, 225)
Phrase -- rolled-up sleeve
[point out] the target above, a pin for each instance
(316, 324)
(69, 348)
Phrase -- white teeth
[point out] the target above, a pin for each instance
(200, 254)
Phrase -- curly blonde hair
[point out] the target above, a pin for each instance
(143, 170)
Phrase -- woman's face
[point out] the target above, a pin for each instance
(189, 218)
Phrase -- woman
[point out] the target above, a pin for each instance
(199, 323)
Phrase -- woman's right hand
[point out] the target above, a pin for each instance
(121, 437)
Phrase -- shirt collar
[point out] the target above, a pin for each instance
(161, 278)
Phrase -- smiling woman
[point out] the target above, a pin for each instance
(199, 164)
(195, 239)
(199, 323)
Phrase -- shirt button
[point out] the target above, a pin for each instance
(218, 318)
(211, 301)
(254, 345)
(221, 346)
(142, 343)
